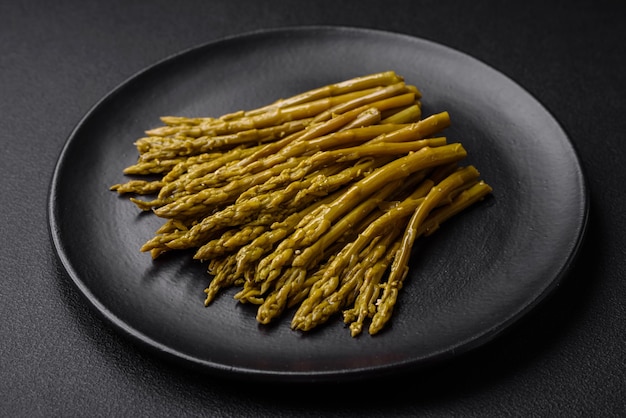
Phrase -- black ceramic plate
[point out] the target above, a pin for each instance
(476, 276)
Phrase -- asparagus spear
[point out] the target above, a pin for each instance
(398, 169)
(248, 255)
(355, 84)
(155, 147)
(371, 265)
(399, 268)
(365, 304)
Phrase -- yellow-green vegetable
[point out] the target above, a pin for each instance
(311, 203)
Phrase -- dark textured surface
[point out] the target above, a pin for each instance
(58, 358)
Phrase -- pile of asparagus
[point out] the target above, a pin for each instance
(312, 202)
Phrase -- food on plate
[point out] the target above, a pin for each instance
(311, 203)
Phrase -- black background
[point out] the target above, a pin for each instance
(57, 358)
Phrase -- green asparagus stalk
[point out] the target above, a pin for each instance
(399, 268)
(162, 148)
(398, 169)
(372, 264)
